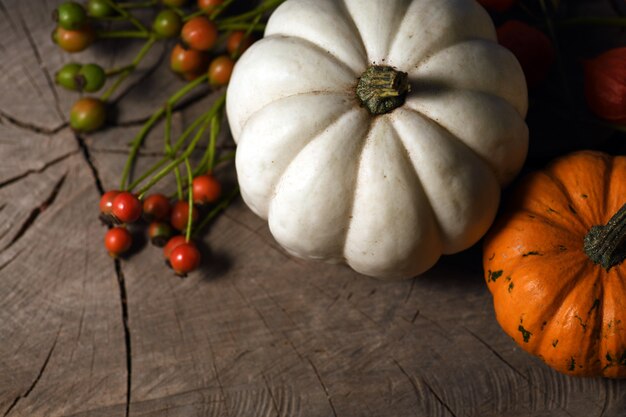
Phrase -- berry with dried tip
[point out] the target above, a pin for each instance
(199, 33)
(87, 114)
(70, 15)
(167, 24)
(156, 207)
(220, 70)
(159, 233)
(91, 77)
(117, 240)
(106, 207)
(66, 76)
(74, 40)
(185, 258)
(126, 207)
(180, 215)
(184, 60)
(205, 189)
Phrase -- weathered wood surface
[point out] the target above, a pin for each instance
(255, 332)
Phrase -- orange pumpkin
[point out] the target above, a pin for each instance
(553, 263)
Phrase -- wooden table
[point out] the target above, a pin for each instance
(255, 332)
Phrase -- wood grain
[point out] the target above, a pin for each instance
(255, 332)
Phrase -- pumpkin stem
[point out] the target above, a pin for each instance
(382, 88)
(606, 245)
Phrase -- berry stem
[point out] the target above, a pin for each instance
(132, 19)
(168, 129)
(136, 143)
(123, 34)
(179, 183)
(225, 202)
(129, 69)
(219, 9)
(267, 5)
(208, 159)
(114, 71)
(173, 164)
(257, 27)
(137, 5)
(179, 143)
(190, 201)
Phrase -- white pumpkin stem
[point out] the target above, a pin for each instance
(382, 88)
(606, 245)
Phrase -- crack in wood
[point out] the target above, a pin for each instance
(37, 378)
(24, 174)
(269, 390)
(437, 397)
(319, 378)
(34, 214)
(127, 339)
(29, 126)
(526, 378)
(92, 167)
(5, 12)
(411, 381)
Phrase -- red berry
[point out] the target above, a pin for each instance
(199, 33)
(172, 244)
(185, 258)
(180, 215)
(605, 85)
(126, 207)
(87, 114)
(159, 233)
(74, 40)
(205, 189)
(117, 240)
(220, 70)
(532, 48)
(156, 207)
(238, 42)
(106, 201)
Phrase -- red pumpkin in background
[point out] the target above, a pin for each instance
(532, 48)
(605, 85)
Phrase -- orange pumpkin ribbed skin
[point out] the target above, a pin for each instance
(548, 294)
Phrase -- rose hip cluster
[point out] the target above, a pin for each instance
(197, 37)
(120, 208)
(207, 48)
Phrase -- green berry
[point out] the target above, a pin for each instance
(91, 77)
(99, 8)
(70, 15)
(87, 114)
(167, 24)
(66, 76)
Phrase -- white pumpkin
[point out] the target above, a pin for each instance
(386, 193)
